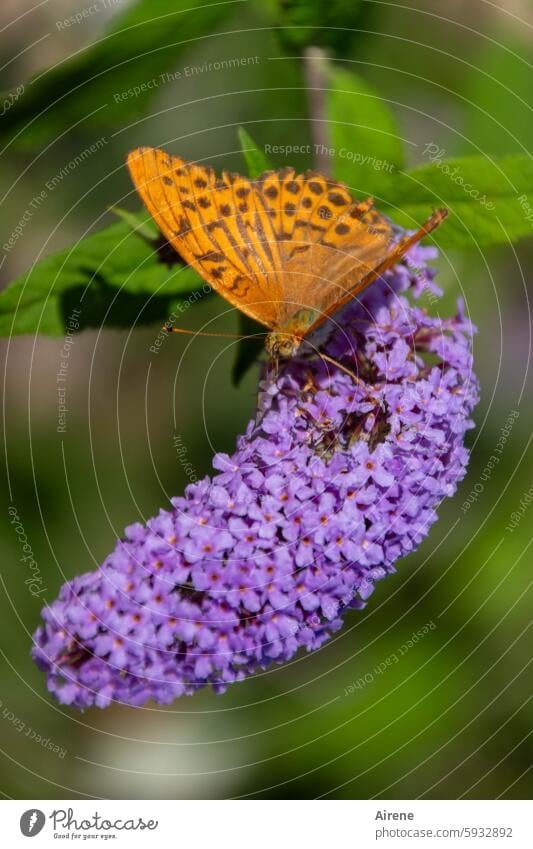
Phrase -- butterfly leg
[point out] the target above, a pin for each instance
(273, 369)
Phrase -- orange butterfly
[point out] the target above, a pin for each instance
(287, 249)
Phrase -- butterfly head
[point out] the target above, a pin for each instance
(282, 346)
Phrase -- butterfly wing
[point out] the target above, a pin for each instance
(350, 289)
(325, 238)
(219, 225)
(272, 245)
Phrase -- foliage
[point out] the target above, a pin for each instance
(113, 80)
(115, 276)
(124, 274)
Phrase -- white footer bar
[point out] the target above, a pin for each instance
(266, 824)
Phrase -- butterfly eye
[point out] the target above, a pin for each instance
(282, 345)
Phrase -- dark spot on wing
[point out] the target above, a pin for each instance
(292, 187)
(211, 256)
(184, 227)
(298, 249)
(337, 199)
(342, 229)
(218, 272)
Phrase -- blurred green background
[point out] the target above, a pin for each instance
(453, 718)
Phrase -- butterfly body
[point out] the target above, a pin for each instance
(285, 341)
(287, 249)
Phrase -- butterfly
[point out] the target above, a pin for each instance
(287, 249)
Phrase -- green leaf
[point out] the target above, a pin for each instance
(256, 160)
(367, 149)
(111, 81)
(489, 202)
(498, 86)
(335, 24)
(144, 277)
(144, 227)
(248, 349)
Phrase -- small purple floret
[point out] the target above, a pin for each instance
(333, 482)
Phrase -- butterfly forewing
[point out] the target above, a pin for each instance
(350, 289)
(325, 237)
(357, 240)
(233, 249)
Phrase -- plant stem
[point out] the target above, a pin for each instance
(316, 77)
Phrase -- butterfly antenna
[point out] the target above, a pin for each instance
(169, 328)
(347, 371)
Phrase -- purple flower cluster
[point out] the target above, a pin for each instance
(334, 481)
